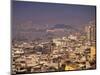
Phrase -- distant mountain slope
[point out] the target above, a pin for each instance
(63, 26)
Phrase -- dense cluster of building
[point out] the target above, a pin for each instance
(72, 52)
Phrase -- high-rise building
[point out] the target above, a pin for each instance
(91, 33)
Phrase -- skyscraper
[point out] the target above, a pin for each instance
(91, 33)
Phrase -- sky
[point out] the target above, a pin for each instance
(38, 13)
(46, 13)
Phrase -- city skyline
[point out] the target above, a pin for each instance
(52, 37)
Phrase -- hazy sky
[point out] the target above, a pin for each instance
(46, 13)
(27, 15)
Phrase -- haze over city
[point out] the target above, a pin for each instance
(34, 19)
(51, 37)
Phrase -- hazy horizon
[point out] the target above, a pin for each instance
(29, 17)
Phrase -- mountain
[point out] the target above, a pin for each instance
(32, 32)
(60, 30)
(62, 26)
